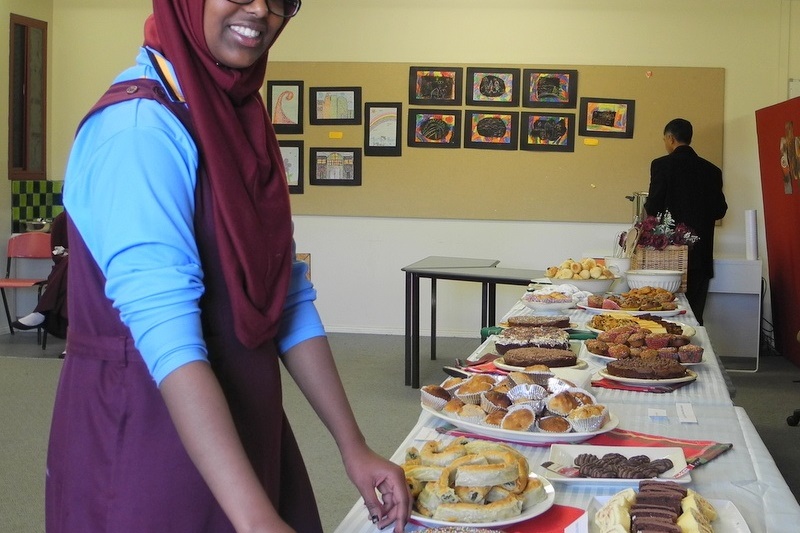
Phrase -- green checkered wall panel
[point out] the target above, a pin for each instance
(31, 200)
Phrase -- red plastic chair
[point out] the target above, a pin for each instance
(32, 245)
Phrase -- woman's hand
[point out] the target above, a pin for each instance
(370, 472)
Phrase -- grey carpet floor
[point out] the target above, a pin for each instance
(372, 371)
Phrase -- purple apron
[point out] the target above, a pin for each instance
(115, 462)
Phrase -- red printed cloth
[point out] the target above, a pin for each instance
(555, 520)
(697, 452)
(605, 383)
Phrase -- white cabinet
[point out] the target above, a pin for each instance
(732, 315)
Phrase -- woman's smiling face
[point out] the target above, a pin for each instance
(238, 35)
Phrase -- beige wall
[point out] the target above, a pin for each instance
(751, 39)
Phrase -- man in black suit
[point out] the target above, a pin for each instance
(690, 188)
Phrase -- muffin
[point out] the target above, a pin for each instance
(492, 401)
(562, 403)
(452, 383)
(527, 393)
(471, 413)
(657, 340)
(553, 424)
(668, 352)
(588, 418)
(539, 373)
(690, 353)
(434, 396)
(494, 418)
(470, 391)
(519, 418)
(453, 407)
(520, 378)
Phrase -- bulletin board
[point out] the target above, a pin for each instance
(588, 184)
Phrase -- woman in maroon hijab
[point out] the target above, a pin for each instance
(168, 414)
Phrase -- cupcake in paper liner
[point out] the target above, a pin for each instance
(520, 378)
(584, 396)
(470, 391)
(520, 417)
(562, 403)
(531, 395)
(472, 413)
(539, 374)
(504, 385)
(434, 396)
(556, 385)
(588, 418)
(452, 383)
(493, 400)
(553, 424)
(529, 392)
(495, 418)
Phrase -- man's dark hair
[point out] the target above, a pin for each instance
(681, 129)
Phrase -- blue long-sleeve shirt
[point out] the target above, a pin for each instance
(129, 189)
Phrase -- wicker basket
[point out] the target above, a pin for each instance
(670, 258)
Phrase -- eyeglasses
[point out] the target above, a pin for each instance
(282, 8)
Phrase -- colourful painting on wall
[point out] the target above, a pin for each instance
(606, 117)
(549, 88)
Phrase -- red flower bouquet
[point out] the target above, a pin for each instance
(658, 232)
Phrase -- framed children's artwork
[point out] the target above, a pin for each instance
(493, 87)
(335, 105)
(435, 85)
(382, 128)
(335, 166)
(549, 88)
(547, 132)
(606, 117)
(495, 130)
(434, 128)
(285, 104)
(292, 155)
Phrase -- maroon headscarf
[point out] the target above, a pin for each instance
(241, 156)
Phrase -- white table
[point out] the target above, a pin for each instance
(746, 475)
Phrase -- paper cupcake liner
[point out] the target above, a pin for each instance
(488, 406)
(588, 425)
(544, 418)
(525, 406)
(527, 393)
(434, 402)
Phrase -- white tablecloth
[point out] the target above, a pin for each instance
(746, 475)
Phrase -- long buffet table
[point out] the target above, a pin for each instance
(745, 477)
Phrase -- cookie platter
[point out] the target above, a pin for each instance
(586, 354)
(584, 305)
(565, 454)
(690, 376)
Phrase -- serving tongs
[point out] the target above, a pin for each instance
(631, 240)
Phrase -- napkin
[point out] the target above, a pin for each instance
(605, 383)
(697, 452)
(556, 520)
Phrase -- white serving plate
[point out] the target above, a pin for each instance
(501, 364)
(730, 520)
(565, 454)
(585, 353)
(548, 307)
(572, 326)
(596, 310)
(688, 330)
(489, 347)
(527, 514)
(527, 437)
(691, 376)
